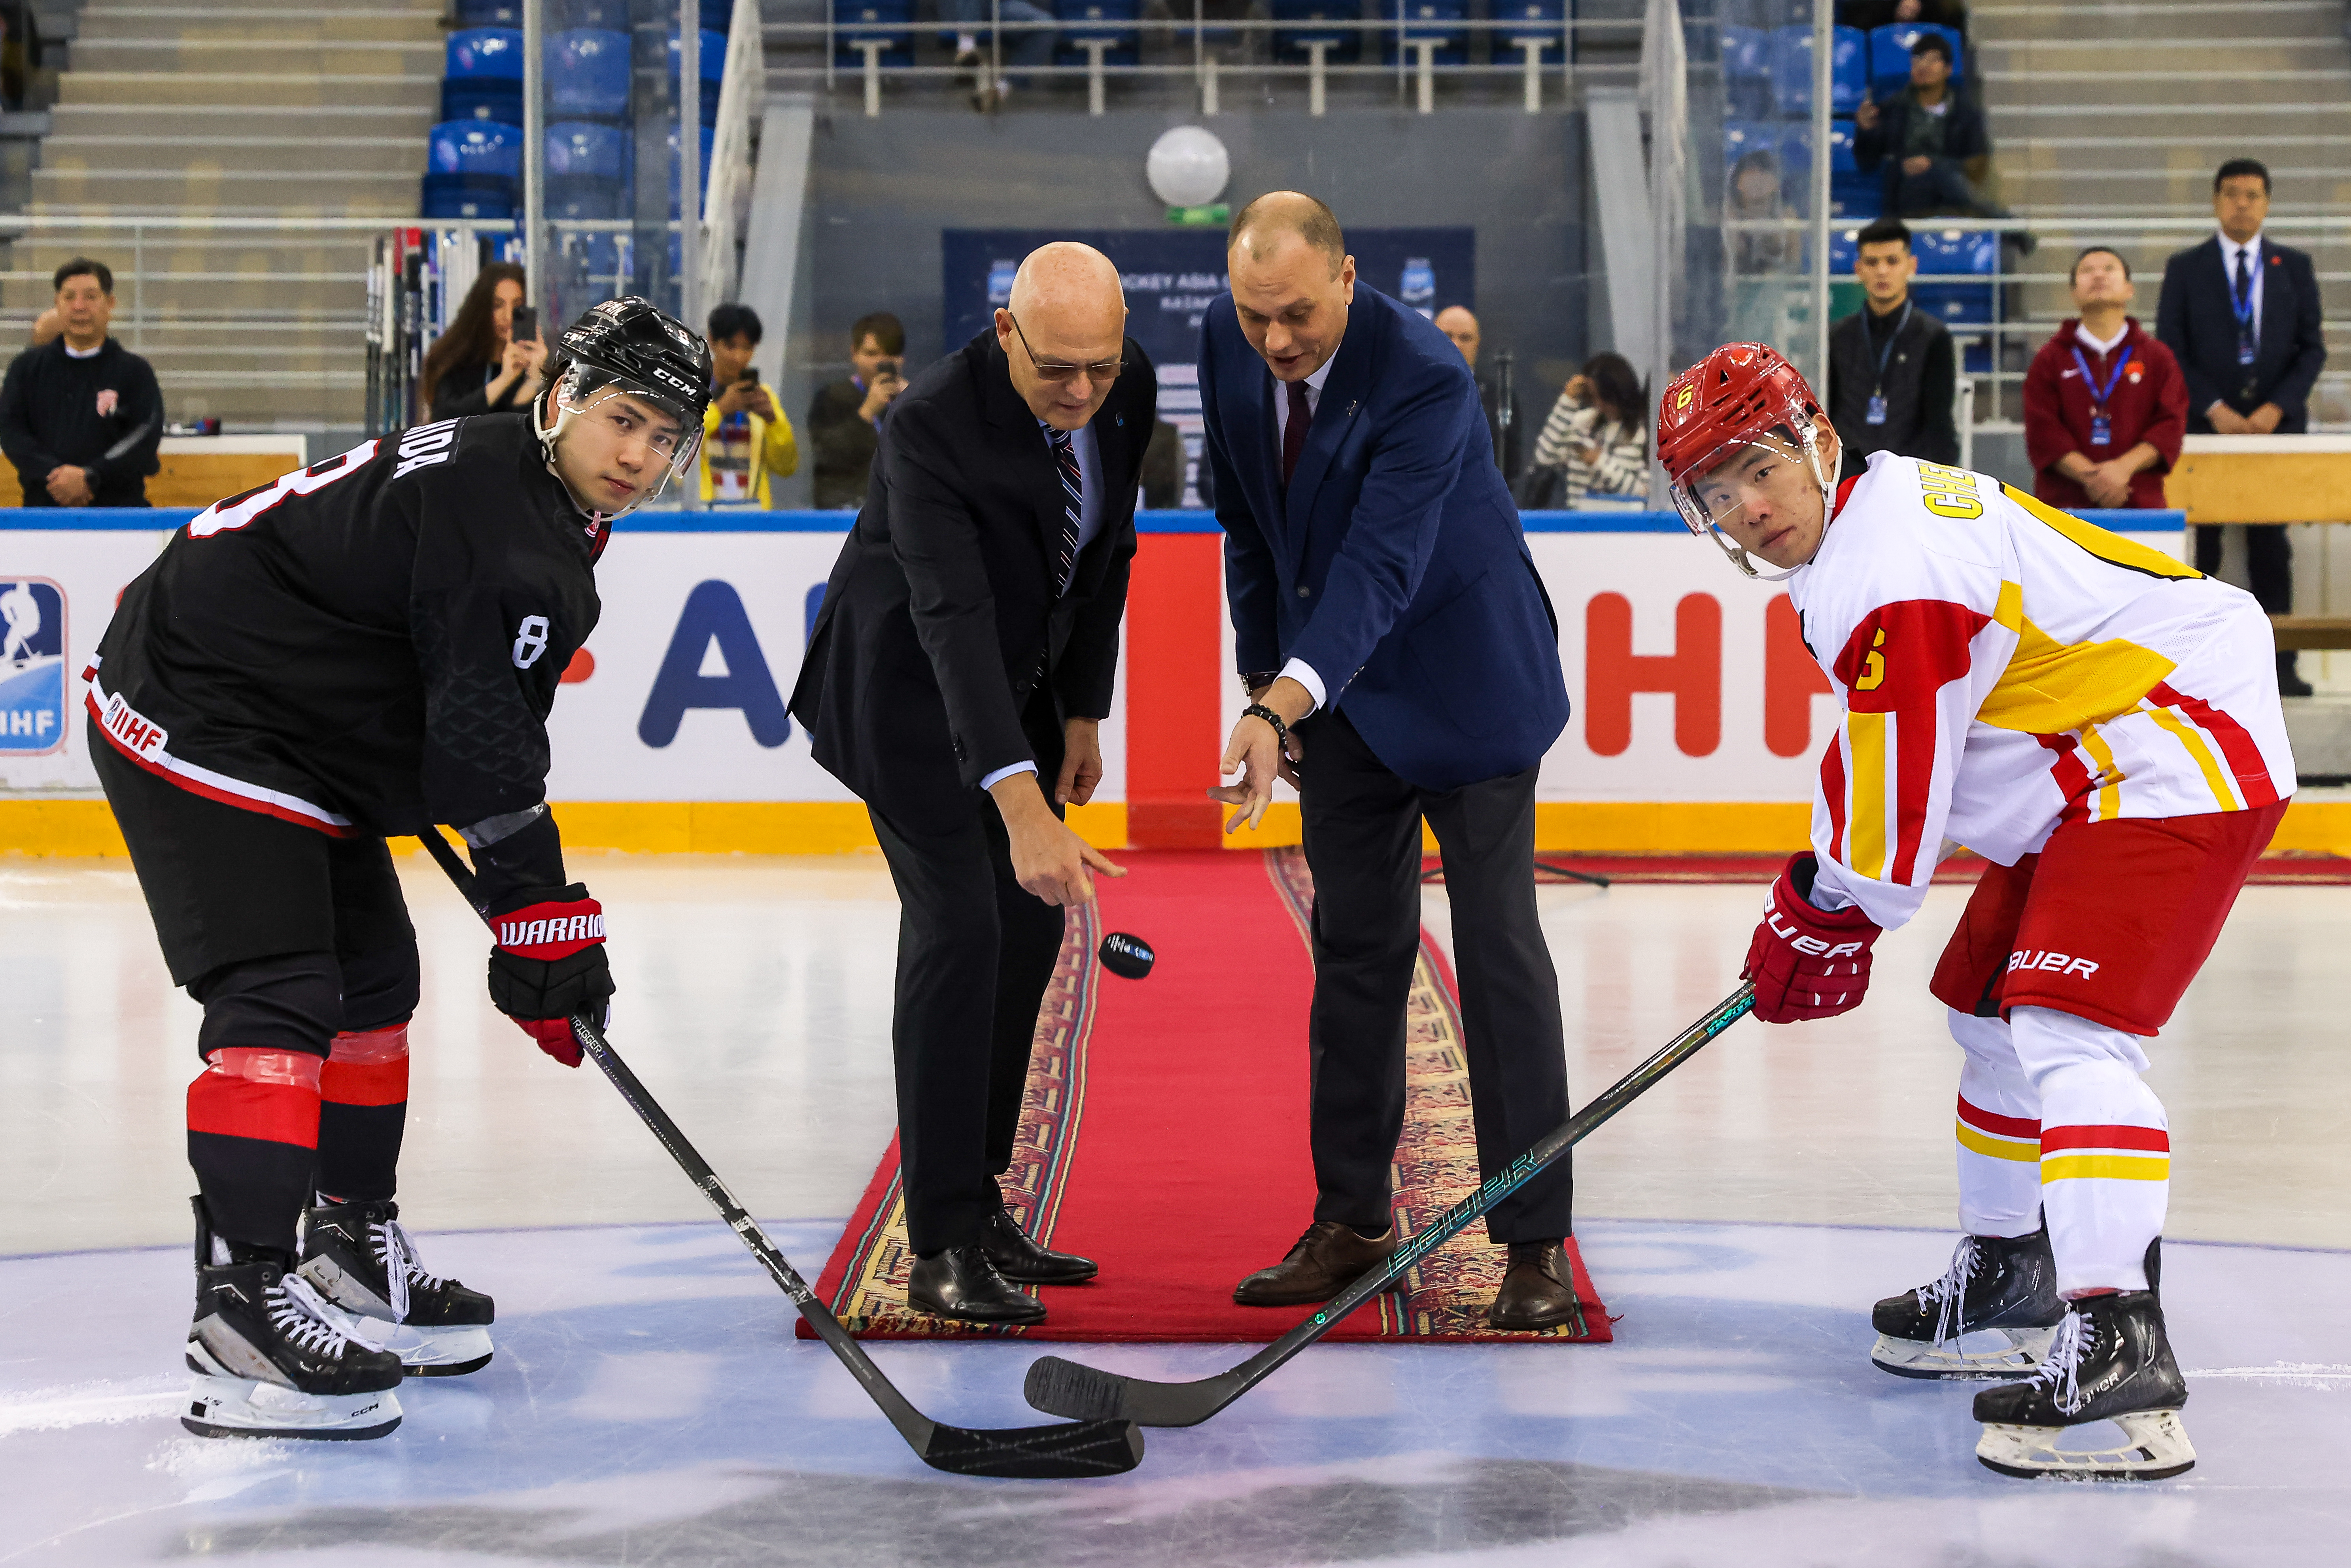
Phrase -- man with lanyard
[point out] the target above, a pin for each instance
(2105, 404)
(1892, 376)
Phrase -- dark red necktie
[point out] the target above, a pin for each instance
(1293, 433)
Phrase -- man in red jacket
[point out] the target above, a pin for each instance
(2104, 404)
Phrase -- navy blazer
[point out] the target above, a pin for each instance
(1394, 566)
(2195, 319)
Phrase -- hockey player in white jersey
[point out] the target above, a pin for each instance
(2101, 724)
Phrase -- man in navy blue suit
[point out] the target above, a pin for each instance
(1402, 659)
(2241, 314)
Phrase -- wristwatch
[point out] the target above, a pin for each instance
(1258, 680)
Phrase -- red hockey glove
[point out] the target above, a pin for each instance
(1807, 963)
(549, 964)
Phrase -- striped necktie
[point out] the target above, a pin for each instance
(1073, 495)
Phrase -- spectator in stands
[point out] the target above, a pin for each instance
(80, 416)
(1023, 47)
(1456, 322)
(1595, 445)
(1932, 145)
(2104, 404)
(1892, 372)
(478, 366)
(2240, 313)
(845, 420)
(1868, 14)
(745, 439)
(1763, 260)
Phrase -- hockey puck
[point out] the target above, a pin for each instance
(1129, 957)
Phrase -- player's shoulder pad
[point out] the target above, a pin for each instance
(1909, 531)
(475, 447)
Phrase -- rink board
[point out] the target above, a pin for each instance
(1697, 721)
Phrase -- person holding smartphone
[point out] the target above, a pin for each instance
(491, 359)
(845, 420)
(746, 441)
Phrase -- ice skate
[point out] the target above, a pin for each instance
(1995, 1285)
(270, 1362)
(360, 1257)
(2110, 1360)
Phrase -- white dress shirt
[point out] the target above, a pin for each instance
(1089, 526)
(2096, 345)
(1299, 670)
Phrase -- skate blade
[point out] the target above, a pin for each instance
(240, 1407)
(2025, 1350)
(422, 1352)
(2156, 1448)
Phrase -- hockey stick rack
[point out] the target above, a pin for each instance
(1062, 1387)
(1059, 1452)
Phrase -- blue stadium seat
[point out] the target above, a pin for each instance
(1290, 42)
(580, 197)
(1889, 54)
(1957, 251)
(483, 196)
(889, 20)
(588, 74)
(611, 15)
(1527, 19)
(1791, 65)
(1960, 305)
(1439, 19)
(1852, 193)
(473, 147)
(490, 99)
(1113, 19)
(1740, 137)
(489, 13)
(583, 148)
(1746, 71)
(713, 70)
(484, 54)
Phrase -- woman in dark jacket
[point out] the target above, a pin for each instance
(476, 367)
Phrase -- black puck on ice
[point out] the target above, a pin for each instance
(1129, 957)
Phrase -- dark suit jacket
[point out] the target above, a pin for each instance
(1395, 565)
(2195, 320)
(943, 603)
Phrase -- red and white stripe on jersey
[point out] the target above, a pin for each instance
(2112, 1153)
(1900, 666)
(147, 744)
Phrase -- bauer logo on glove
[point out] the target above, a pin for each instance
(1807, 963)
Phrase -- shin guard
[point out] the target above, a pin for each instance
(363, 1112)
(253, 1138)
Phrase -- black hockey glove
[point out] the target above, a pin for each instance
(549, 964)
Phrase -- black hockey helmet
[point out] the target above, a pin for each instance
(629, 347)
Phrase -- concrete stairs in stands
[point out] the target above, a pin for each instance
(253, 108)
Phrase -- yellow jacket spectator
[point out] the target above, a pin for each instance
(746, 441)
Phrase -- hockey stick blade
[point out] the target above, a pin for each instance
(1062, 1387)
(1065, 1452)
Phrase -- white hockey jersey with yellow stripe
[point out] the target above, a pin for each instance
(2004, 666)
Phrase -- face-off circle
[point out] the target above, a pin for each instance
(1129, 957)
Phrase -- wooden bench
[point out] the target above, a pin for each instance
(198, 470)
(2301, 632)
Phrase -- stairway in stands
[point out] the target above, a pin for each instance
(2124, 108)
(242, 109)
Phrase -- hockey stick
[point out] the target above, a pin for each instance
(1062, 1387)
(1029, 1453)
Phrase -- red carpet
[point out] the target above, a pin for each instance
(2280, 868)
(1166, 1131)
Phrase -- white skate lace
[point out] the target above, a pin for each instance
(397, 1253)
(1948, 1294)
(299, 1313)
(2058, 1369)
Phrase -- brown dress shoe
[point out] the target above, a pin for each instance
(1537, 1293)
(1324, 1261)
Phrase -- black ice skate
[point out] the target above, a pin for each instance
(360, 1260)
(2110, 1360)
(267, 1359)
(1994, 1285)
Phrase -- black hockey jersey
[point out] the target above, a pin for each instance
(367, 646)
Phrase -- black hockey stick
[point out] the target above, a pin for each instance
(1067, 1389)
(1059, 1452)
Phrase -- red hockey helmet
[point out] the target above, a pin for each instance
(1740, 394)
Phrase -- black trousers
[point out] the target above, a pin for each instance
(2269, 562)
(976, 951)
(1362, 843)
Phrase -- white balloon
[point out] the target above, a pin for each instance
(1189, 167)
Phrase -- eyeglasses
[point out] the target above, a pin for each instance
(1100, 371)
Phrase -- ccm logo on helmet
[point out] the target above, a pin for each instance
(2056, 963)
(1811, 945)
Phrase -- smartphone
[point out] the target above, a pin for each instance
(889, 368)
(750, 378)
(525, 326)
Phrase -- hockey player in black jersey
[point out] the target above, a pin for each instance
(366, 648)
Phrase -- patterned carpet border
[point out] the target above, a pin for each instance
(2282, 868)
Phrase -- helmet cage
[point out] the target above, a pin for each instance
(581, 387)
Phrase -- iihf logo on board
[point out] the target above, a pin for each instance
(32, 666)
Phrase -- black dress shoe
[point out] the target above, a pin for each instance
(1324, 1261)
(1013, 1255)
(959, 1283)
(2290, 681)
(1537, 1292)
